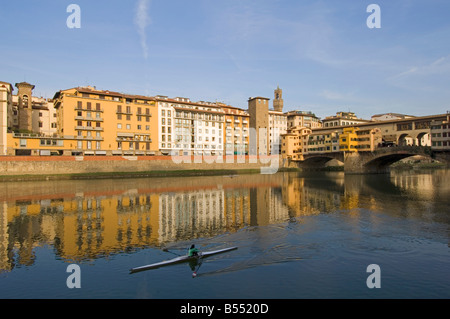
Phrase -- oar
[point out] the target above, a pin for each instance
(168, 251)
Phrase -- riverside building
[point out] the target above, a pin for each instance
(236, 132)
(6, 90)
(102, 122)
(440, 134)
(303, 119)
(190, 128)
(294, 144)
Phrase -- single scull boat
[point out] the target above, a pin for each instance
(181, 259)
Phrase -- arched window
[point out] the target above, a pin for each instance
(25, 101)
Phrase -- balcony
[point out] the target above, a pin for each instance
(88, 128)
(84, 108)
(89, 118)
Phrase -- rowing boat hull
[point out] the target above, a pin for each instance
(181, 259)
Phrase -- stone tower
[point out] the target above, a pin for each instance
(258, 109)
(24, 105)
(278, 100)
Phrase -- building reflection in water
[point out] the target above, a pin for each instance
(83, 220)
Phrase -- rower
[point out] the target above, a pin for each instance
(193, 251)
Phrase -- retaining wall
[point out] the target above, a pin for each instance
(54, 165)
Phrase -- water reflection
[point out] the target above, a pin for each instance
(92, 219)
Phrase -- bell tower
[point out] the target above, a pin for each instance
(278, 100)
(25, 106)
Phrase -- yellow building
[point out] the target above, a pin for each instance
(106, 123)
(322, 142)
(294, 144)
(37, 144)
(354, 139)
(347, 140)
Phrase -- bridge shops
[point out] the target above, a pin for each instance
(427, 131)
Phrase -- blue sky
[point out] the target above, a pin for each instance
(321, 53)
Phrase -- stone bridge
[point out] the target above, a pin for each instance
(372, 162)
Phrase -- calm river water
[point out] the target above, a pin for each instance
(298, 236)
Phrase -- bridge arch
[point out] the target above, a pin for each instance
(320, 160)
(423, 139)
(418, 139)
(405, 139)
(382, 161)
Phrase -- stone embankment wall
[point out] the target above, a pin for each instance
(67, 165)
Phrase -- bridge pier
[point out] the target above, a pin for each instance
(355, 163)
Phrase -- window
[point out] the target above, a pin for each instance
(139, 127)
(119, 125)
(128, 127)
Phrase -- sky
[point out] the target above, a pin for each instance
(322, 54)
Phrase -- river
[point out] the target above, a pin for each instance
(299, 235)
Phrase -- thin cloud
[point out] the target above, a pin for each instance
(142, 20)
(423, 77)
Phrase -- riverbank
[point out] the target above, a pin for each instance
(139, 174)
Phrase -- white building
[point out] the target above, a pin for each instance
(43, 115)
(277, 127)
(190, 128)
